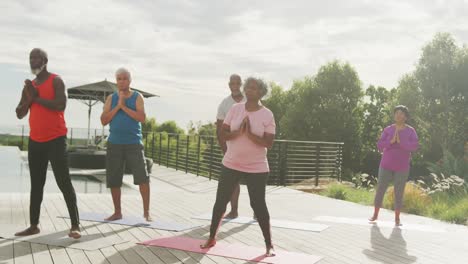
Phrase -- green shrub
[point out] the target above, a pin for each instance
(364, 180)
(458, 214)
(415, 200)
(438, 209)
(337, 191)
(450, 165)
(361, 196)
(453, 184)
(446, 206)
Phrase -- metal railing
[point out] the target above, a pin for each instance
(291, 162)
(77, 137)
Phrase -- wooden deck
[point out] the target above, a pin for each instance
(179, 196)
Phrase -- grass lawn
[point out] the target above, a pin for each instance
(452, 208)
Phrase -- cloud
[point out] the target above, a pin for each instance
(186, 50)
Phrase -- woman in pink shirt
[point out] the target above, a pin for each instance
(249, 130)
(397, 142)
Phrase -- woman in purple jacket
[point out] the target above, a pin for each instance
(396, 143)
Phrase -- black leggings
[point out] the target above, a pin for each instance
(39, 155)
(256, 183)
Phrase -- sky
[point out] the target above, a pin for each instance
(184, 51)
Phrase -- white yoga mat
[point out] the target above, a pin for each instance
(304, 226)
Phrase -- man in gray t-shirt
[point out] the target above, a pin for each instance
(235, 97)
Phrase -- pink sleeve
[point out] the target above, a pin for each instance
(410, 144)
(384, 141)
(270, 126)
(229, 116)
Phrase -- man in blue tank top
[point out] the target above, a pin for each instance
(125, 111)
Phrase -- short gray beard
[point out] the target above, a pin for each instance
(38, 70)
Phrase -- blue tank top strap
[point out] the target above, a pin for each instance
(135, 95)
(115, 99)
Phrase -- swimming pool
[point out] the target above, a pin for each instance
(14, 176)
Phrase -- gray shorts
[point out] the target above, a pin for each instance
(121, 155)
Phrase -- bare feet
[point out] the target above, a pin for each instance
(148, 217)
(373, 219)
(32, 230)
(75, 232)
(270, 251)
(398, 222)
(211, 242)
(231, 215)
(115, 216)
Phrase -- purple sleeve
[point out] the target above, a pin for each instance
(411, 143)
(384, 141)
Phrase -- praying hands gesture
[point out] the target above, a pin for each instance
(245, 126)
(29, 91)
(396, 136)
(28, 94)
(245, 129)
(122, 99)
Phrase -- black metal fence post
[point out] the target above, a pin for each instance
(317, 164)
(160, 147)
(278, 176)
(146, 142)
(187, 153)
(198, 155)
(168, 149)
(152, 148)
(340, 168)
(71, 136)
(284, 164)
(177, 153)
(211, 156)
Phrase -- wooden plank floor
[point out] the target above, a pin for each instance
(178, 196)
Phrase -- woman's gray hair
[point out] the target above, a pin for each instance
(260, 83)
(123, 70)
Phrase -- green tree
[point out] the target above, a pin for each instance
(276, 103)
(436, 94)
(325, 108)
(442, 80)
(192, 128)
(149, 125)
(376, 115)
(409, 94)
(207, 130)
(293, 125)
(170, 127)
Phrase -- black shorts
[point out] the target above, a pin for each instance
(121, 155)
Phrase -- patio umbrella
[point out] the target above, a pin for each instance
(93, 93)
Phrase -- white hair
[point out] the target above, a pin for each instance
(123, 70)
(260, 83)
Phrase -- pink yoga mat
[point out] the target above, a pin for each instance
(234, 251)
